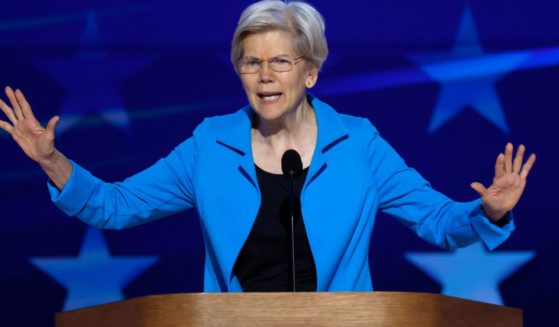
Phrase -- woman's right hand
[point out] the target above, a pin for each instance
(37, 142)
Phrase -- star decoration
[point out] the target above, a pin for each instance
(94, 277)
(471, 272)
(468, 77)
(91, 80)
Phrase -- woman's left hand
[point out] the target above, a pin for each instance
(508, 184)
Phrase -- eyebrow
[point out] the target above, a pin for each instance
(276, 56)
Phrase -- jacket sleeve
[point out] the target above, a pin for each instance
(406, 195)
(160, 190)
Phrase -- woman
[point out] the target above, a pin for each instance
(229, 170)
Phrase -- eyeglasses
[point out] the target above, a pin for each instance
(251, 65)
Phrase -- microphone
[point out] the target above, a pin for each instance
(291, 166)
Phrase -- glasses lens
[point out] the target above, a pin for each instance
(252, 65)
(280, 65)
(249, 65)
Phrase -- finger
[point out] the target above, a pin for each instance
(13, 101)
(24, 105)
(500, 165)
(517, 164)
(508, 157)
(6, 127)
(53, 122)
(479, 188)
(8, 111)
(527, 166)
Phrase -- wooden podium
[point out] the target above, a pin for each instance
(293, 309)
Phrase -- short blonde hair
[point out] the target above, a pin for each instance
(298, 18)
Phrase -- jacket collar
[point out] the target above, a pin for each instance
(331, 129)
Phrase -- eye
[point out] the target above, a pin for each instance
(280, 61)
(251, 62)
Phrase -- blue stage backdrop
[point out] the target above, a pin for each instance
(447, 83)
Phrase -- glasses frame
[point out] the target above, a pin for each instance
(292, 63)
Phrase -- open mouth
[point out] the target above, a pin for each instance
(269, 97)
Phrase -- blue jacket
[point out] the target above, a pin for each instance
(353, 173)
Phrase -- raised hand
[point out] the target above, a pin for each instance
(36, 141)
(508, 184)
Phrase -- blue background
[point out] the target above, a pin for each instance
(447, 83)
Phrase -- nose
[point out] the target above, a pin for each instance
(266, 73)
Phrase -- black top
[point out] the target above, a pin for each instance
(263, 264)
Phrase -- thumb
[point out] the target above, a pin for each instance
(478, 187)
(53, 122)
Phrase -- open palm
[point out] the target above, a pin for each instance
(35, 140)
(508, 184)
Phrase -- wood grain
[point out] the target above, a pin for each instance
(293, 309)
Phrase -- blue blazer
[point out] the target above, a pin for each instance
(353, 174)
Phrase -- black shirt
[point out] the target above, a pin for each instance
(263, 264)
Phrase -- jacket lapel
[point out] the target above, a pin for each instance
(331, 132)
(235, 136)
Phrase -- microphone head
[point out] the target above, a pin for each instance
(291, 164)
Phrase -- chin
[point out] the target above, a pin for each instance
(270, 115)
(270, 112)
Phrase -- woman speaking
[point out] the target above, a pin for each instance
(230, 171)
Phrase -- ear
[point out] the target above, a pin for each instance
(312, 76)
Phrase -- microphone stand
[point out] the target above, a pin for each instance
(291, 165)
(292, 231)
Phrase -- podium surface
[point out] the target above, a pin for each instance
(293, 309)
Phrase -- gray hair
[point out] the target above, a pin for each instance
(300, 19)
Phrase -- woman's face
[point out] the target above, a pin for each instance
(274, 95)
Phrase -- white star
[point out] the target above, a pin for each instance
(94, 277)
(471, 272)
(468, 76)
(92, 80)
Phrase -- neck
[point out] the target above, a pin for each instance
(288, 128)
